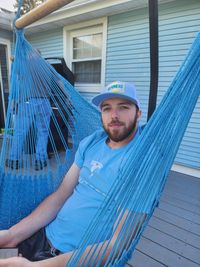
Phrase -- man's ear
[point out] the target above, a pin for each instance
(139, 113)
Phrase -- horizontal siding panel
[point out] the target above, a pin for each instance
(50, 43)
(132, 45)
(179, 30)
(6, 35)
(181, 158)
(187, 36)
(194, 151)
(121, 20)
(179, 9)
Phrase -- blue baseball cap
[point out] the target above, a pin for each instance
(117, 90)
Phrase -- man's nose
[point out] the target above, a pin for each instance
(114, 113)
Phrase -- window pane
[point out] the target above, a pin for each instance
(88, 46)
(87, 72)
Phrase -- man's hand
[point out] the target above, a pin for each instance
(16, 262)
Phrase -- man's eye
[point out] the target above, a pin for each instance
(124, 107)
(105, 109)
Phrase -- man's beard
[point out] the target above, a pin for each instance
(118, 136)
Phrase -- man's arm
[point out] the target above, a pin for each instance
(61, 260)
(101, 249)
(120, 241)
(43, 214)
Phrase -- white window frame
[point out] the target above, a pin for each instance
(80, 29)
(8, 51)
(8, 44)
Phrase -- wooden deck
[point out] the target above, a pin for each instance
(172, 237)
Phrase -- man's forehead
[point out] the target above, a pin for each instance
(116, 101)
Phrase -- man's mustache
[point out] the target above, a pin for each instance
(115, 122)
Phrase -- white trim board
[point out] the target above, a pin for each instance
(186, 170)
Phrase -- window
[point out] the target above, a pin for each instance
(86, 60)
(84, 49)
(4, 79)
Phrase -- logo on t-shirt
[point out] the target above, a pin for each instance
(95, 165)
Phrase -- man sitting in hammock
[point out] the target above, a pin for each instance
(56, 227)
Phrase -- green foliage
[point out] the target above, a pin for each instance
(27, 5)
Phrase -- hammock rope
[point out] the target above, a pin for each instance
(37, 91)
(42, 104)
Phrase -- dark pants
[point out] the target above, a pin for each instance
(37, 247)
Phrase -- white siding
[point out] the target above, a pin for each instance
(128, 58)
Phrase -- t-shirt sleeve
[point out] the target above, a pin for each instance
(84, 145)
(79, 156)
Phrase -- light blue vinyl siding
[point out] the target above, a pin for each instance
(128, 59)
(7, 35)
(128, 51)
(50, 43)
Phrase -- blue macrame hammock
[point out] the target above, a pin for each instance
(142, 177)
(42, 104)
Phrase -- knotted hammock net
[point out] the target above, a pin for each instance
(41, 103)
(46, 119)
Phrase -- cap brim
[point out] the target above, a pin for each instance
(97, 100)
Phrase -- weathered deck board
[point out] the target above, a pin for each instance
(144, 260)
(161, 254)
(176, 231)
(172, 243)
(176, 220)
(181, 212)
(172, 237)
(185, 204)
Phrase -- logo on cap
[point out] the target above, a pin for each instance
(116, 88)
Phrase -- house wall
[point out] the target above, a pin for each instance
(49, 43)
(6, 35)
(127, 58)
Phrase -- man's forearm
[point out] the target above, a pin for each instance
(39, 218)
(46, 211)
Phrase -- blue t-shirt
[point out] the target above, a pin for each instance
(99, 167)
